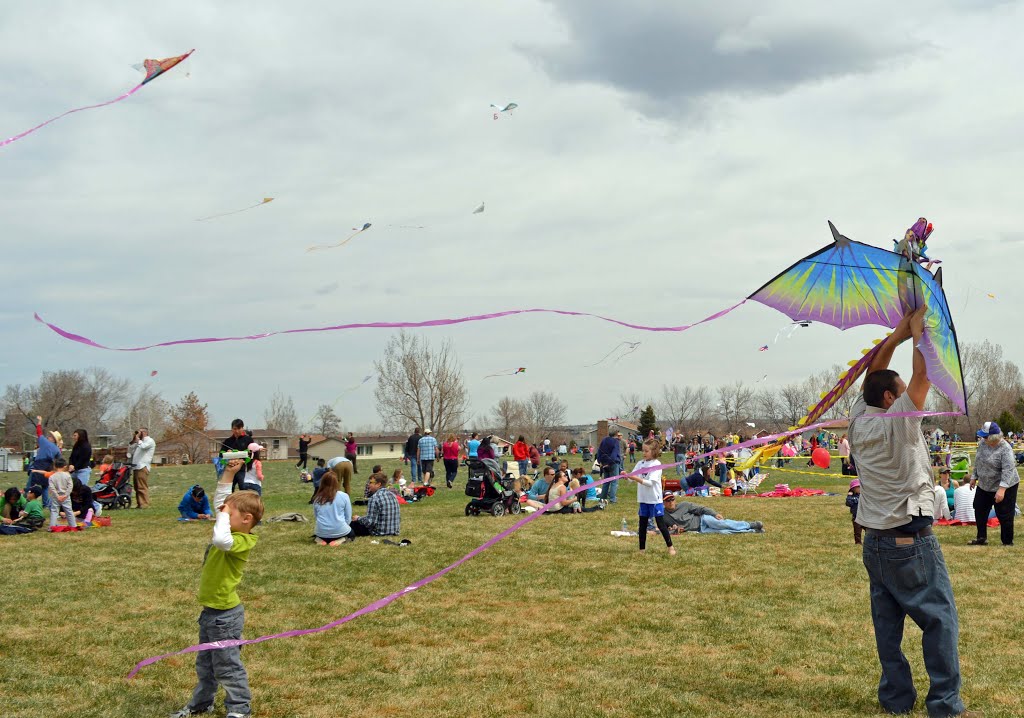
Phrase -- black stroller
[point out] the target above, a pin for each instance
(114, 490)
(489, 491)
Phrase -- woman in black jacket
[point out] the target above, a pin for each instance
(81, 456)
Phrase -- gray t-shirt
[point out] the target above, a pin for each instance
(892, 461)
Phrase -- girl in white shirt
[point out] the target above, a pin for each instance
(648, 493)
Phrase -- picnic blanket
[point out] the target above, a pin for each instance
(992, 523)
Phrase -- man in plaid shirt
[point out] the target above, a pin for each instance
(382, 513)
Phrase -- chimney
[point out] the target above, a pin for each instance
(602, 429)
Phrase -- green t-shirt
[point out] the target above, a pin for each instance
(222, 572)
(34, 508)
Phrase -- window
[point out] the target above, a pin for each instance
(391, 448)
(364, 450)
(277, 444)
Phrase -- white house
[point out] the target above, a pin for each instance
(377, 446)
(275, 441)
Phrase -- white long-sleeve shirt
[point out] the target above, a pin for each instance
(140, 454)
(648, 490)
(222, 537)
(941, 504)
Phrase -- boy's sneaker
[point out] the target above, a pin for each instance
(239, 715)
(186, 712)
(757, 526)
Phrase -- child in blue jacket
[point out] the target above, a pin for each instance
(194, 504)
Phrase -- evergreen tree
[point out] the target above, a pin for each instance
(648, 422)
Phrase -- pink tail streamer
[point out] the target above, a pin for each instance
(391, 598)
(130, 92)
(387, 325)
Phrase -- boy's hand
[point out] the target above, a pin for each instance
(230, 470)
(61, 498)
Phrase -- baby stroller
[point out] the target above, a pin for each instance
(113, 490)
(488, 490)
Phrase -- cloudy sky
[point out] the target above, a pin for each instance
(665, 160)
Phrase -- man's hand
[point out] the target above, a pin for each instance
(39, 421)
(917, 323)
(1000, 494)
(719, 517)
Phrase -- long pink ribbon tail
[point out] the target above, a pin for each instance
(388, 325)
(391, 598)
(128, 94)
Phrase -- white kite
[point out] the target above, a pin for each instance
(504, 108)
(480, 209)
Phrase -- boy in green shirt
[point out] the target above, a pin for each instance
(30, 518)
(223, 616)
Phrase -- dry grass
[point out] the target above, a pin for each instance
(561, 619)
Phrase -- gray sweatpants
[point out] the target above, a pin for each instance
(221, 666)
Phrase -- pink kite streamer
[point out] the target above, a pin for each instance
(391, 598)
(386, 325)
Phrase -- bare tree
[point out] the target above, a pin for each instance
(545, 412)
(687, 408)
(630, 405)
(69, 399)
(770, 408)
(735, 402)
(325, 421)
(417, 384)
(281, 415)
(509, 417)
(142, 407)
(794, 400)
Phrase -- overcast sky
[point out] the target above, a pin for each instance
(665, 160)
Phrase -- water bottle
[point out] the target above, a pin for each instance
(625, 526)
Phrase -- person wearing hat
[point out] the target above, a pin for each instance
(426, 452)
(906, 572)
(853, 501)
(702, 519)
(253, 478)
(995, 470)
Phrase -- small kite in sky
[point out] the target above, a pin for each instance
(244, 209)
(629, 346)
(480, 209)
(153, 70)
(343, 242)
(789, 329)
(508, 372)
(763, 348)
(761, 379)
(153, 373)
(503, 108)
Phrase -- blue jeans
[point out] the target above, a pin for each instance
(681, 461)
(910, 579)
(221, 666)
(82, 475)
(414, 468)
(258, 488)
(711, 525)
(610, 491)
(524, 466)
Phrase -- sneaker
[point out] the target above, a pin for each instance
(239, 715)
(757, 526)
(602, 504)
(977, 542)
(186, 712)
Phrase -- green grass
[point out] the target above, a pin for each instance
(561, 619)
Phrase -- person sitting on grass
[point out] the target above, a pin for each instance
(539, 489)
(332, 510)
(318, 473)
(12, 504)
(194, 504)
(700, 477)
(81, 501)
(31, 517)
(383, 517)
(556, 491)
(702, 519)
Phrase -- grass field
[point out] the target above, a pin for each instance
(561, 619)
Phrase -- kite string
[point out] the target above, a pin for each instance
(391, 598)
(392, 325)
(130, 92)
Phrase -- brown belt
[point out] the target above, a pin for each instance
(926, 531)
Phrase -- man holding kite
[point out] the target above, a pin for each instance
(904, 561)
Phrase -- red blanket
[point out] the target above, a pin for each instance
(992, 523)
(787, 493)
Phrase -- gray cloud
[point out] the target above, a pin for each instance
(671, 55)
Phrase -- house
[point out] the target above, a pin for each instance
(372, 446)
(275, 441)
(11, 458)
(628, 429)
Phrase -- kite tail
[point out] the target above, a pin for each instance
(828, 400)
(126, 95)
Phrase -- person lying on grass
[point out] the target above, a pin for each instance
(702, 519)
